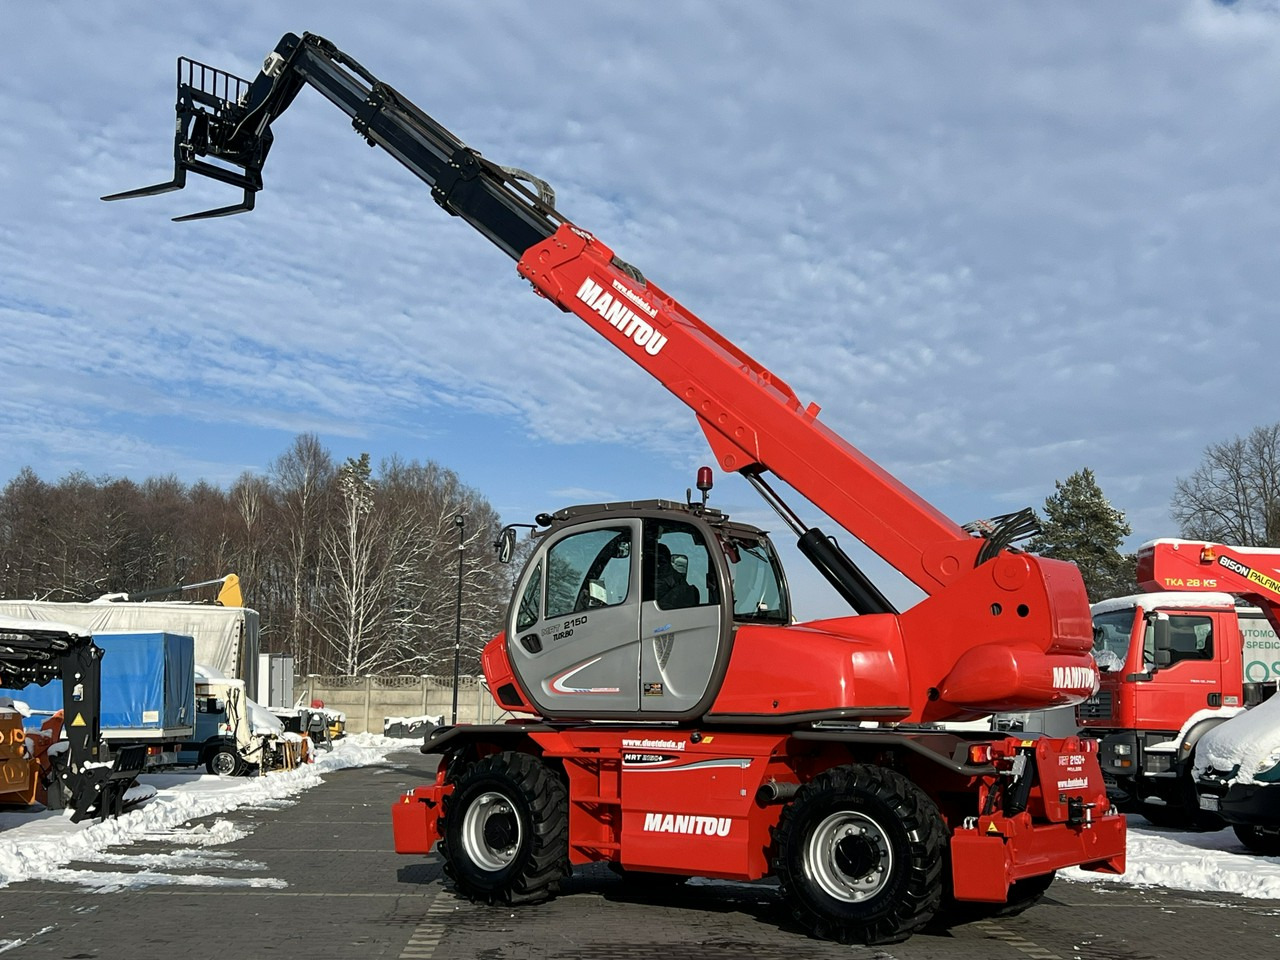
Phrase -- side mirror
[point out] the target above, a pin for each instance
(506, 544)
(680, 563)
(1163, 655)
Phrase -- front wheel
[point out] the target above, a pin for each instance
(1258, 839)
(223, 762)
(506, 830)
(859, 855)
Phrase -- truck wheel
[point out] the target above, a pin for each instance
(223, 763)
(859, 855)
(506, 830)
(1258, 840)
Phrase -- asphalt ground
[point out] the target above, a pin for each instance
(337, 891)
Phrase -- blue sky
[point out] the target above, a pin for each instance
(996, 242)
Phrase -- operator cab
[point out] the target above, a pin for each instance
(627, 610)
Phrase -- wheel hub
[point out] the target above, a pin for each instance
(491, 831)
(500, 830)
(849, 856)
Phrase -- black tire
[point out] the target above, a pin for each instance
(1265, 843)
(506, 830)
(860, 853)
(1023, 894)
(223, 762)
(1165, 817)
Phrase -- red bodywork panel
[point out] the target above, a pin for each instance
(676, 801)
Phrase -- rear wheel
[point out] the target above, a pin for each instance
(1022, 894)
(1258, 839)
(859, 855)
(506, 830)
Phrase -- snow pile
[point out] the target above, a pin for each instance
(1204, 862)
(37, 845)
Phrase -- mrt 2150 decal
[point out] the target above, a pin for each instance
(1071, 771)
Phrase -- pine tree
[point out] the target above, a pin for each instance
(1081, 526)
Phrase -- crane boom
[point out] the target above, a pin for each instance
(1251, 573)
(752, 418)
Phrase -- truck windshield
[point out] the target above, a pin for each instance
(1111, 632)
(758, 594)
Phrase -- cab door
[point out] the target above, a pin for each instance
(1191, 681)
(575, 632)
(680, 617)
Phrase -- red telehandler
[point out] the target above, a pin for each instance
(676, 721)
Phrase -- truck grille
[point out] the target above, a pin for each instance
(1097, 707)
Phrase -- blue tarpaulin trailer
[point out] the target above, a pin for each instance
(148, 691)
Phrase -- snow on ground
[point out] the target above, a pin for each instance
(1204, 862)
(39, 845)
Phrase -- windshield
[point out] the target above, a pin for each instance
(1111, 632)
(758, 594)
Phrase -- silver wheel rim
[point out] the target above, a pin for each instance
(223, 764)
(491, 831)
(849, 857)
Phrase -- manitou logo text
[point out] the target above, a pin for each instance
(685, 823)
(1074, 678)
(615, 310)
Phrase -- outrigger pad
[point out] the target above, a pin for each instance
(213, 109)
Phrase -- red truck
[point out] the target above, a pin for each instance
(675, 720)
(1177, 663)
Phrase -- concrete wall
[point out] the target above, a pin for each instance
(368, 701)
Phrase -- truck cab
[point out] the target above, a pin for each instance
(1172, 666)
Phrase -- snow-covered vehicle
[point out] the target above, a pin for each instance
(1237, 773)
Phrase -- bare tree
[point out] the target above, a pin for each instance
(1233, 496)
(364, 552)
(354, 581)
(303, 478)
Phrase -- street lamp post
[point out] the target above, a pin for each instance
(460, 522)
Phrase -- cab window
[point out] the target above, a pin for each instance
(588, 570)
(1190, 638)
(527, 615)
(678, 572)
(758, 593)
